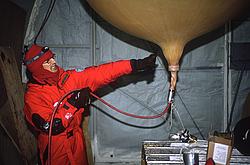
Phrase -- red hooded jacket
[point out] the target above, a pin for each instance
(67, 144)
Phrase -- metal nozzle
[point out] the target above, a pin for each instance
(170, 95)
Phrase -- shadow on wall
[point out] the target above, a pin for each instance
(246, 108)
(9, 154)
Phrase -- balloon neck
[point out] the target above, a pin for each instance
(173, 70)
(172, 51)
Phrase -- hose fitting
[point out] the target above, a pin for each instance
(171, 95)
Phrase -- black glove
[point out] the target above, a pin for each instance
(147, 63)
(80, 98)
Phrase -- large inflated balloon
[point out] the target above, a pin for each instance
(168, 23)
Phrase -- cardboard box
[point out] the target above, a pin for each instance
(219, 149)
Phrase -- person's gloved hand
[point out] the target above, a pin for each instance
(147, 63)
(80, 98)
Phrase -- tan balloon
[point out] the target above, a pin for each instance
(168, 23)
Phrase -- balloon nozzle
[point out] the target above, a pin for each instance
(171, 95)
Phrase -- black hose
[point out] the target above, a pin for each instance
(50, 8)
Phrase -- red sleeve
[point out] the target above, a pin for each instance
(98, 76)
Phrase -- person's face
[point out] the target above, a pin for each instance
(50, 65)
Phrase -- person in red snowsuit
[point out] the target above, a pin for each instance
(48, 84)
